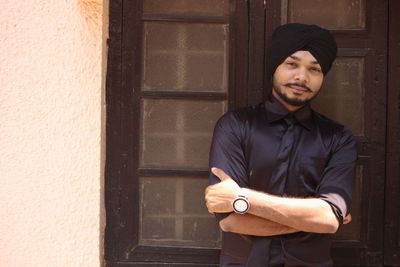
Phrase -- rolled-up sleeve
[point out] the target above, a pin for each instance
(227, 152)
(338, 177)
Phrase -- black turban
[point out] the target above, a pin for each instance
(290, 38)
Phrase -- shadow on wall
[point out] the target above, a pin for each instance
(91, 11)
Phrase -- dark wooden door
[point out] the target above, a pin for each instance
(354, 93)
(175, 66)
(172, 68)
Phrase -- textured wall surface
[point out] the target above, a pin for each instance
(51, 132)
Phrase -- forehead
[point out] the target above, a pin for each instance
(304, 57)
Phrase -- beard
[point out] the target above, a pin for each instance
(293, 101)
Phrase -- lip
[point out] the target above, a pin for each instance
(298, 89)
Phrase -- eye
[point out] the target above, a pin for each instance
(291, 64)
(317, 70)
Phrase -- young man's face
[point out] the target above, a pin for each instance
(297, 80)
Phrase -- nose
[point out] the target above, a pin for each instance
(301, 75)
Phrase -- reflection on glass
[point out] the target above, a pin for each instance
(342, 95)
(187, 7)
(352, 230)
(177, 133)
(331, 14)
(185, 57)
(173, 213)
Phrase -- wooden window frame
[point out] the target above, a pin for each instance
(123, 98)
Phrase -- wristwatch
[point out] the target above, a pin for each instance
(241, 203)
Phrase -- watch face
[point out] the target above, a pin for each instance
(240, 205)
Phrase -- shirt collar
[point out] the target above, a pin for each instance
(276, 111)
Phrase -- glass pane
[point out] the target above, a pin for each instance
(173, 213)
(177, 133)
(187, 7)
(352, 231)
(342, 94)
(331, 14)
(185, 57)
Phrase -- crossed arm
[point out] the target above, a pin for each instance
(268, 214)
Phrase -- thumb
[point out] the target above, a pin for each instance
(220, 174)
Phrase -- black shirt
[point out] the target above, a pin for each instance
(321, 164)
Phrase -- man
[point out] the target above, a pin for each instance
(282, 174)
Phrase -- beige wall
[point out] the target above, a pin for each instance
(51, 132)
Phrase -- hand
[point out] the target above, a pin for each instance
(219, 197)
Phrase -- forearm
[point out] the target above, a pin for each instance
(305, 214)
(249, 224)
(308, 214)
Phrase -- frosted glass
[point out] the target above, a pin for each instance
(177, 133)
(331, 14)
(185, 57)
(173, 213)
(187, 7)
(342, 95)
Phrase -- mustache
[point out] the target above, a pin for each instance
(298, 85)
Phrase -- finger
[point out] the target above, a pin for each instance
(220, 174)
(209, 208)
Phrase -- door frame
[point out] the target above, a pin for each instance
(118, 124)
(392, 191)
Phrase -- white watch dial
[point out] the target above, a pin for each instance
(240, 205)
